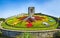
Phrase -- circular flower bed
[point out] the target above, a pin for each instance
(39, 21)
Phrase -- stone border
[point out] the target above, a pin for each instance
(38, 34)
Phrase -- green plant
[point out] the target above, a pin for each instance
(2, 19)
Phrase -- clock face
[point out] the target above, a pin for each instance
(40, 21)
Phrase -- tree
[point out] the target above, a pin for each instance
(2, 19)
(59, 18)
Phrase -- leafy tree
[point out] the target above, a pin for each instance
(2, 19)
(59, 18)
(59, 22)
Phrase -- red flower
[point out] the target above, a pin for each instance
(29, 25)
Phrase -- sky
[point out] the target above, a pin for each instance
(14, 7)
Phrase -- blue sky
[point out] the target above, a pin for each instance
(13, 7)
